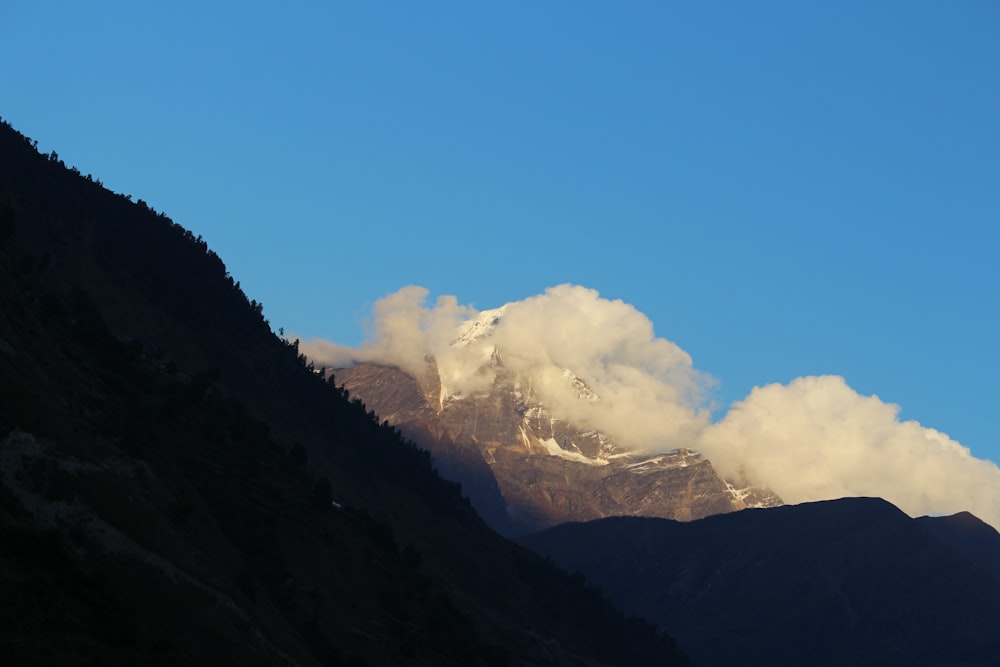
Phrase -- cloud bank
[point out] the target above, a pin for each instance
(648, 393)
(816, 438)
(404, 333)
(812, 439)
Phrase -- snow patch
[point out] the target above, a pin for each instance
(554, 449)
(740, 495)
(673, 458)
(480, 327)
(583, 390)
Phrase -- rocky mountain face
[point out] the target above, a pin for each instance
(522, 466)
(844, 582)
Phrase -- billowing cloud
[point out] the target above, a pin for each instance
(812, 439)
(404, 333)
(649, 395)
(816, 438)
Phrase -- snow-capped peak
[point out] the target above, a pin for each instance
(479, 327)
(583, 389)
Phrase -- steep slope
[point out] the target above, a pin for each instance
(846, 582)
(178, 487)
(399, 399)
(525, 468)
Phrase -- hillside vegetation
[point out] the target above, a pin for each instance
(178, 486)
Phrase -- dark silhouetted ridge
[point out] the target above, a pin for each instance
(844, 582)
(971, 537)
(179, 486)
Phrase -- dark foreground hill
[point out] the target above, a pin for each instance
(846, 582)
(178, 487)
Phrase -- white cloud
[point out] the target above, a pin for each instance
(815, 438)
(649, 393)
(405, 331)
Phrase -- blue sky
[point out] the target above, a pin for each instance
(783, 188)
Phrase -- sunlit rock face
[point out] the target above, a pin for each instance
(525, 469)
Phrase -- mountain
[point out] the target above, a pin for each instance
(845, 582)
(179, 486)
(971, 537)
(526, 467)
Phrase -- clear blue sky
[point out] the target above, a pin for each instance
(783, 188)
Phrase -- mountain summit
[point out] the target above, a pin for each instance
(516, 437)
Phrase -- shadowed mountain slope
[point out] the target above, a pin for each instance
(845, 582)
(177, 486)
(972, 538)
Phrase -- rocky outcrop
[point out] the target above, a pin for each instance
(524, 469)
(406, 403)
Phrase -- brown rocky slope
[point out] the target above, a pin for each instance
(524, 469)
